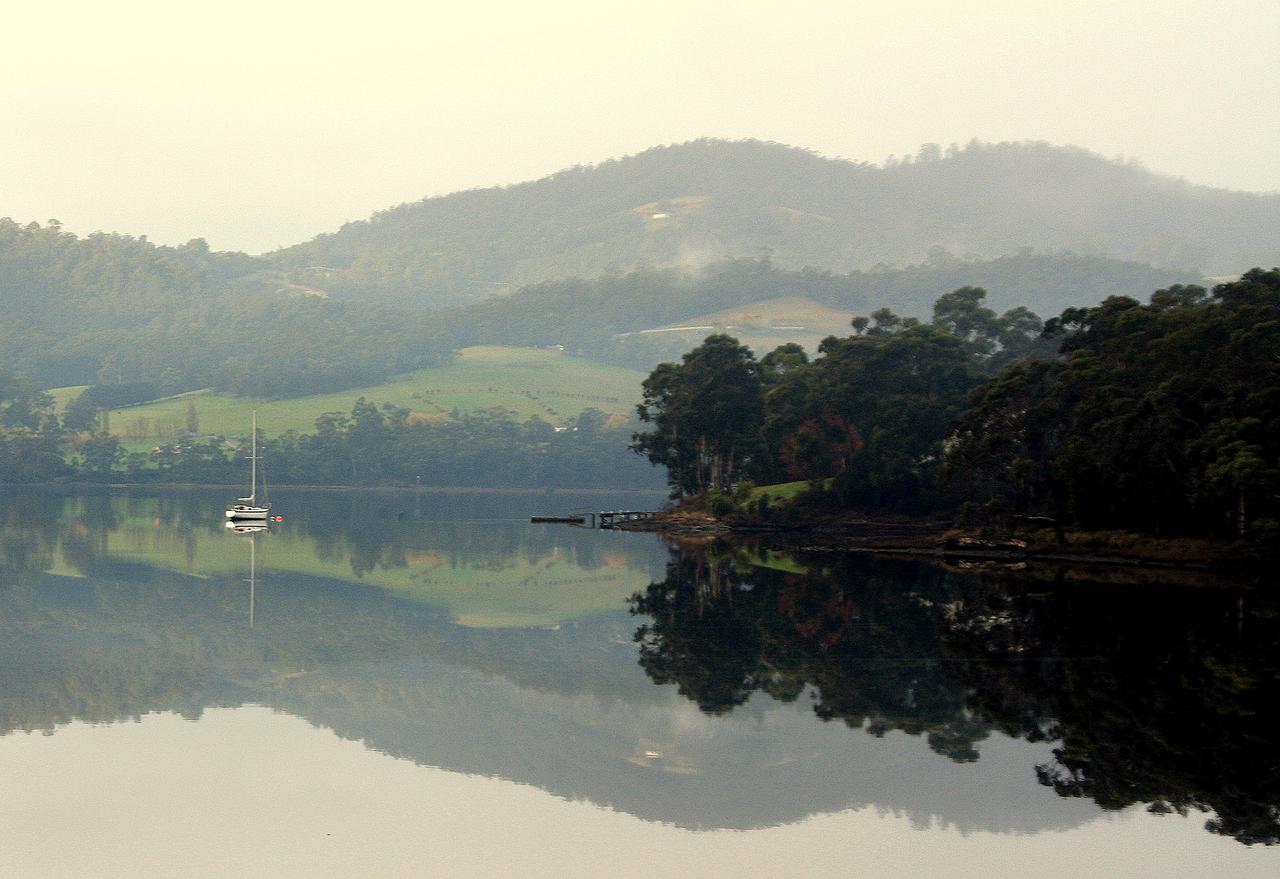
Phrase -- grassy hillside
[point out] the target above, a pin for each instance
(529, 382)
(63, 396)
(762, 326)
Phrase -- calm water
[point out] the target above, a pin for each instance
(409, 685)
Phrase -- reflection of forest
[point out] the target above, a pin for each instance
(566, 709)
(1149, 694)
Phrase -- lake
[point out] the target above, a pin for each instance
(409, 684)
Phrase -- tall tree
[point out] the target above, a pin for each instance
(706, 413)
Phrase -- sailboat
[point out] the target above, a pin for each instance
(248, 507)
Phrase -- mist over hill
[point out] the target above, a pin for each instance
(701, 202)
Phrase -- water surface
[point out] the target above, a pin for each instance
(427, 684)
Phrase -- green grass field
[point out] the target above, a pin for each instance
(763, 326)
(63, 396)
(527, 381)
(784, 311)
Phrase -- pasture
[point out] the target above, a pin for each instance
(525, 381)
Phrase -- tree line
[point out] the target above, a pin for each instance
(1161, 417)
(371, 445)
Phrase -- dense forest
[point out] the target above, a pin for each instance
(113, 309)
(697, 203)
(1162, 418)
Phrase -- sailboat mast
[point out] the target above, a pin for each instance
(253, 468)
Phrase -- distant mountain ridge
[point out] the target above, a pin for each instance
(700, 202)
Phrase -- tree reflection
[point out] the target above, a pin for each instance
(1152, 694)
(867, 647)
(27, 537)
(1158, 696)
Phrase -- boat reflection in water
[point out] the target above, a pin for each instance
(253, 529)
(249, 526)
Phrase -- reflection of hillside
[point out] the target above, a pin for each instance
(498, 573)
(565, 709)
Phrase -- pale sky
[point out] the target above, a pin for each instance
(260, 124)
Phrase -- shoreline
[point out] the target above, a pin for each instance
(942, 543)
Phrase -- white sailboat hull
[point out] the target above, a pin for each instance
(244, 511)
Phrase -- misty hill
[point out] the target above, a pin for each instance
(612, 317)
(115, 309)
(705, 201)
(119, 309)
(623, 247)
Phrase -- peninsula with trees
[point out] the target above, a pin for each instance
(1159, 419)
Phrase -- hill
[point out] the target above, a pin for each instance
(586, 256)
(697, 203)
(117, 309)
(544, 383)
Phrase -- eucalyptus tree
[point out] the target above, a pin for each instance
(705, 414)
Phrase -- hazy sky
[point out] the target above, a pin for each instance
(256, 125)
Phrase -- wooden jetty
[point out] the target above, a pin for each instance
(617, 517)
(605, 519)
